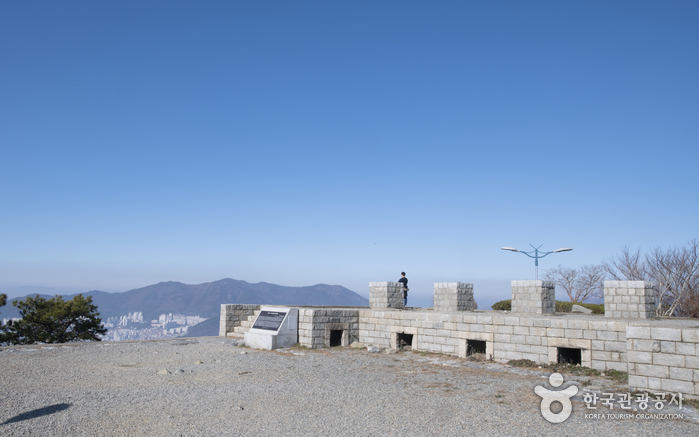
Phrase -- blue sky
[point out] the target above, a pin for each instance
(341, 142)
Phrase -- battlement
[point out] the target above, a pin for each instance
(658, 354)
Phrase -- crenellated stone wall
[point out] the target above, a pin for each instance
(533, 297)
(386, 295)
(317, 324)
(629, 299)
(453, 296)
(658, 354)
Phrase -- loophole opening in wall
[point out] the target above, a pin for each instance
(475, 347)
(335, 337)
(404, 341)
(569, 355)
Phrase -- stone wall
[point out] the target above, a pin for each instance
(316, 325)
(629, 299)
(386, 295)
(508, 336)
(533, 297)
(453, 296)
(664, 357)
(658, 354)
(232, 315)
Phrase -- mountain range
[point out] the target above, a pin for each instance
(205, 299)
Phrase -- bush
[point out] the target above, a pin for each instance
(503, 305)
(566, 307)
(561, 307)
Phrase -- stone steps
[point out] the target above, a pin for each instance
(245, 325)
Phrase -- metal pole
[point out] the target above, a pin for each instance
(536, 255)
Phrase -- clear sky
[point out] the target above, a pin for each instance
(302, 142)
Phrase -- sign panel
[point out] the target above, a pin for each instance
(269, 320)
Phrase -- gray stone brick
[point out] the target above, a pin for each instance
(669, 360)
(640, 357)
(672, 334)
(676, 386)
(652, 370)
(681, 374)
(639, 382)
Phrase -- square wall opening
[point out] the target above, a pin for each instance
(336, 337)
(569, 355)
(404, 341)
(475, 347)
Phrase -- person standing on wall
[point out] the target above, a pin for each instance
(403, 280)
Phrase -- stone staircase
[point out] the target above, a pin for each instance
(245, 325)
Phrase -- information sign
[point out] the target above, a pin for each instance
(269, 320)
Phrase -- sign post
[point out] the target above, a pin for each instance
(274, 328)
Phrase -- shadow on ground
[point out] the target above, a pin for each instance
(44, 411)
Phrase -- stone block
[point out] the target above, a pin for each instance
(652, 370)
(672, 334)
(667, 347)
(505, 346)
(502, 338)
(523, 348)
(607, 335)
(638, 382)
(599, 365)
(681, 374)
(675, 386)
(573, 333)
(537, 331)
(541, 350)
(685, 348)
(504, 329)
(555, 332)
(578, 324)
(639, 332)
(559, 323)
(532, 339)
(589, 334)
(654, 383)
(597, 345)
(690, 335)
(517, 339)
(620, 366)
(646, 345)
(602, 356)
(669, 360)
(640, 357)
(542, 323)
(520, 330)
(512, 355)
(615, 346)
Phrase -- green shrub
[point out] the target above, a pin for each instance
(503, 305)
(561, 307)
(566, 307)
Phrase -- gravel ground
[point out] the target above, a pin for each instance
(216, 388)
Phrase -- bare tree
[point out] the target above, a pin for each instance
(674, 271)
(626, 266)
(580, 284)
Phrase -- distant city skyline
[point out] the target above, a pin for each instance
(341, 143)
